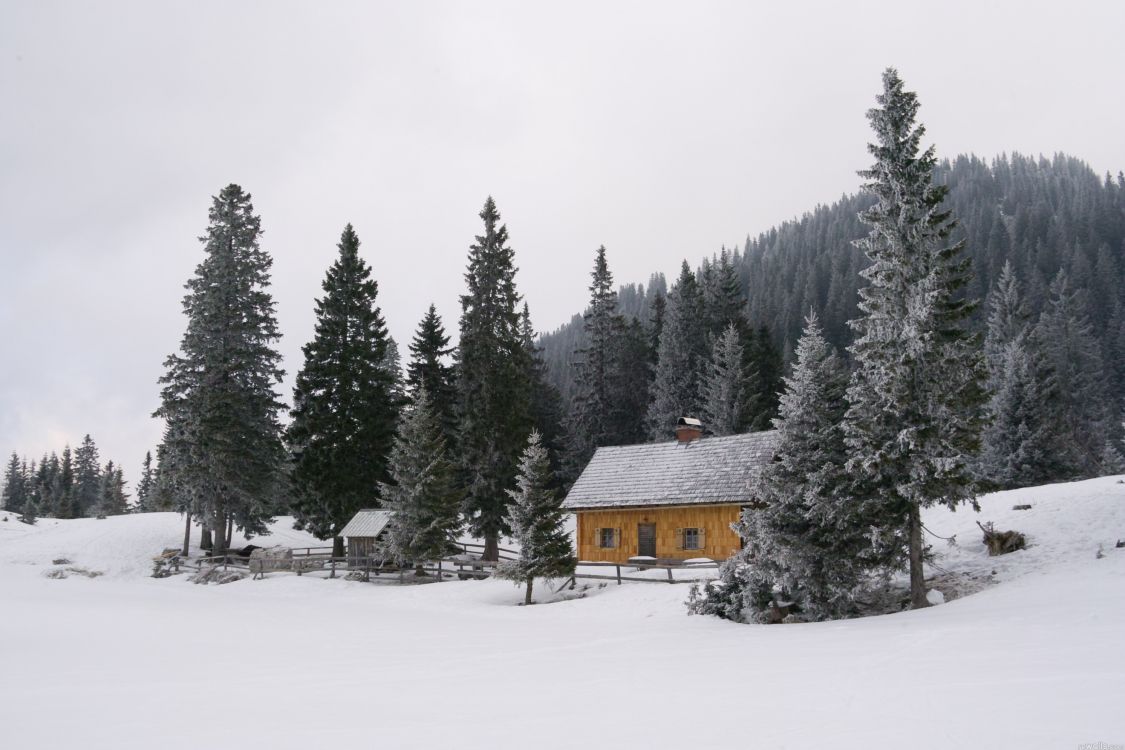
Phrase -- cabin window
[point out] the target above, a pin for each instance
(608, 538)
(691, 539)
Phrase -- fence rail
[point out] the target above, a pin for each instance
(453, 567)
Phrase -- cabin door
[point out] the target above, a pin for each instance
(646, 539)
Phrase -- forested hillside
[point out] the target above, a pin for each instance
(1042, 215)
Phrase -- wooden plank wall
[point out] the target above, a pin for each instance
(721, 542)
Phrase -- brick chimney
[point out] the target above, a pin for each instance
(688, 429)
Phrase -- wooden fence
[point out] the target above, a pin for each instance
(454, 567)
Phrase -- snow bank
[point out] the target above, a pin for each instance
(125, 661)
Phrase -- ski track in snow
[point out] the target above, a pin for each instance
(1035, 659)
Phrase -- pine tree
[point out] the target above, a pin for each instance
(493, 388)
(345, 402)
(145, 486)
(14, 495)
(1020, 443)
(423, 492)
(428, 369)
(594, 418)
(63, 504)
(1112, 462)
(1065, 335)
(112, 499)
(763, 364)
(724, 384)
(537, 519)
(545, 404)
(805, 538)
(87, 478)
(682, 356)
(722, 295)
(914, 412)
(218, 393)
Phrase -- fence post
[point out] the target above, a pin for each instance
(333, 574)
(439, 574)
(618, 566)
(670, 578)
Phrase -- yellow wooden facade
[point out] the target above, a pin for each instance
(719, 541)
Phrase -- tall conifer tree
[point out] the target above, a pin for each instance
(423, 490)
(492, 381)
(345, 401)
(87, 478)
(676, 388)
(218, 392)
(914, 416)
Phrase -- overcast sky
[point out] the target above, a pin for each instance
(663, 131)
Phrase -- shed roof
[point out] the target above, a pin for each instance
(367, 523)
(707, 471)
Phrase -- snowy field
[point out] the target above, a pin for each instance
(1034, 659)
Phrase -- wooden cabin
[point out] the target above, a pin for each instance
(362, 535)
(669, 501)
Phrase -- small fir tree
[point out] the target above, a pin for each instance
(145, 486)
(87, 479)
(537, 519)
(423, 492)
(806, 540)
(724, 384)
(429, 368)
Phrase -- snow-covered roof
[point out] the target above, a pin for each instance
(367, 523)
(707, 471)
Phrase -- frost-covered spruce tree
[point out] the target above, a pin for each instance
(15, 485)
(87, 479)
(1112, 462)
(423, 491)
(113, 500)
(537, 519)
(345, 402)
(1065, 336)
(724, 384)
(145, 485)
(682, 355)
(806, 541)
(429, 368)
(226, 448)
(492, 382)
(1020, 445)
(914, 417)
(591, 423)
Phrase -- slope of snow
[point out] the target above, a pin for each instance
(1036, 659)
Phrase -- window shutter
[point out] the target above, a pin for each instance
(597, 537)
(703, 539)
(617, 538)
(679, 538)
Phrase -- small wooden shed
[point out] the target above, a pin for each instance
(362, 535)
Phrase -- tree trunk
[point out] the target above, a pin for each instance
(187, 534)
(337, 546)
(527, 592)
(230, 531)
(220, 547)
(205, 538)
(491, 548)
(917, 575)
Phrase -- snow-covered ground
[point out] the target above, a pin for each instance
(1035, 659)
